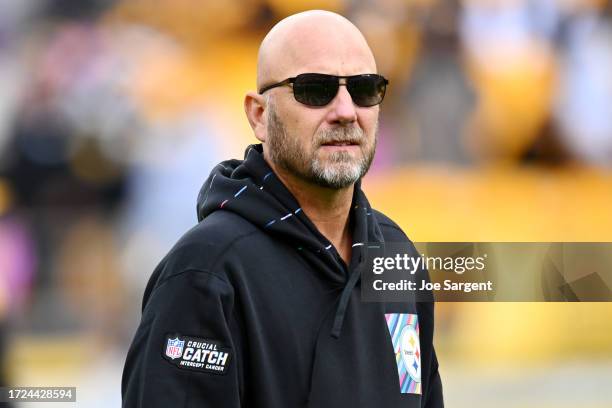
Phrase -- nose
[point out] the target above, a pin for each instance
(343, 109)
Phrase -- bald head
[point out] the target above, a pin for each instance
(313, 41)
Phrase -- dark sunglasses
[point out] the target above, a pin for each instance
(320, 89)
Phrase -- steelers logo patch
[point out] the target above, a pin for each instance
(404, 331)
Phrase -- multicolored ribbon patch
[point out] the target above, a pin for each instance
(404, 331)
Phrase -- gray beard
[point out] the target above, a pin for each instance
(338, 172)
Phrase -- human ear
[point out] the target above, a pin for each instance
(255, 109)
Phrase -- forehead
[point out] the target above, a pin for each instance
(330, 57)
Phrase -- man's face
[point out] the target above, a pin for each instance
(330, 155)
(332, 145)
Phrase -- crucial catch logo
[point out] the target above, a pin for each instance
(196, 354)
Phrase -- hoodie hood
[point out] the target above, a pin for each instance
(250, 189)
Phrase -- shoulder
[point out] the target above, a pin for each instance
(216, 231)
(204, 247)
(389, 228)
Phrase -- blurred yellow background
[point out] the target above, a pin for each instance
(497, 126)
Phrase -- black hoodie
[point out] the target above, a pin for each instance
(254, 307)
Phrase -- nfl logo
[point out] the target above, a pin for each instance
(174, 349)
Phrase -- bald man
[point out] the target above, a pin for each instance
(259, 304)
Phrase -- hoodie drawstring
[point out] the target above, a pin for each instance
(344, 300)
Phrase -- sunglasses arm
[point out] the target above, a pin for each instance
(282, 83)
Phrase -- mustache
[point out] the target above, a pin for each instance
(353, 135)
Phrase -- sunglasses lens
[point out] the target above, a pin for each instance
(367, 90)
(320, 89)
(314, 89)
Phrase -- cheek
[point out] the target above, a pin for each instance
(303, 126)
(368, 121)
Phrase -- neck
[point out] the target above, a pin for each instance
(327, 208)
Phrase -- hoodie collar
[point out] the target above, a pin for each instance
(250, 189)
